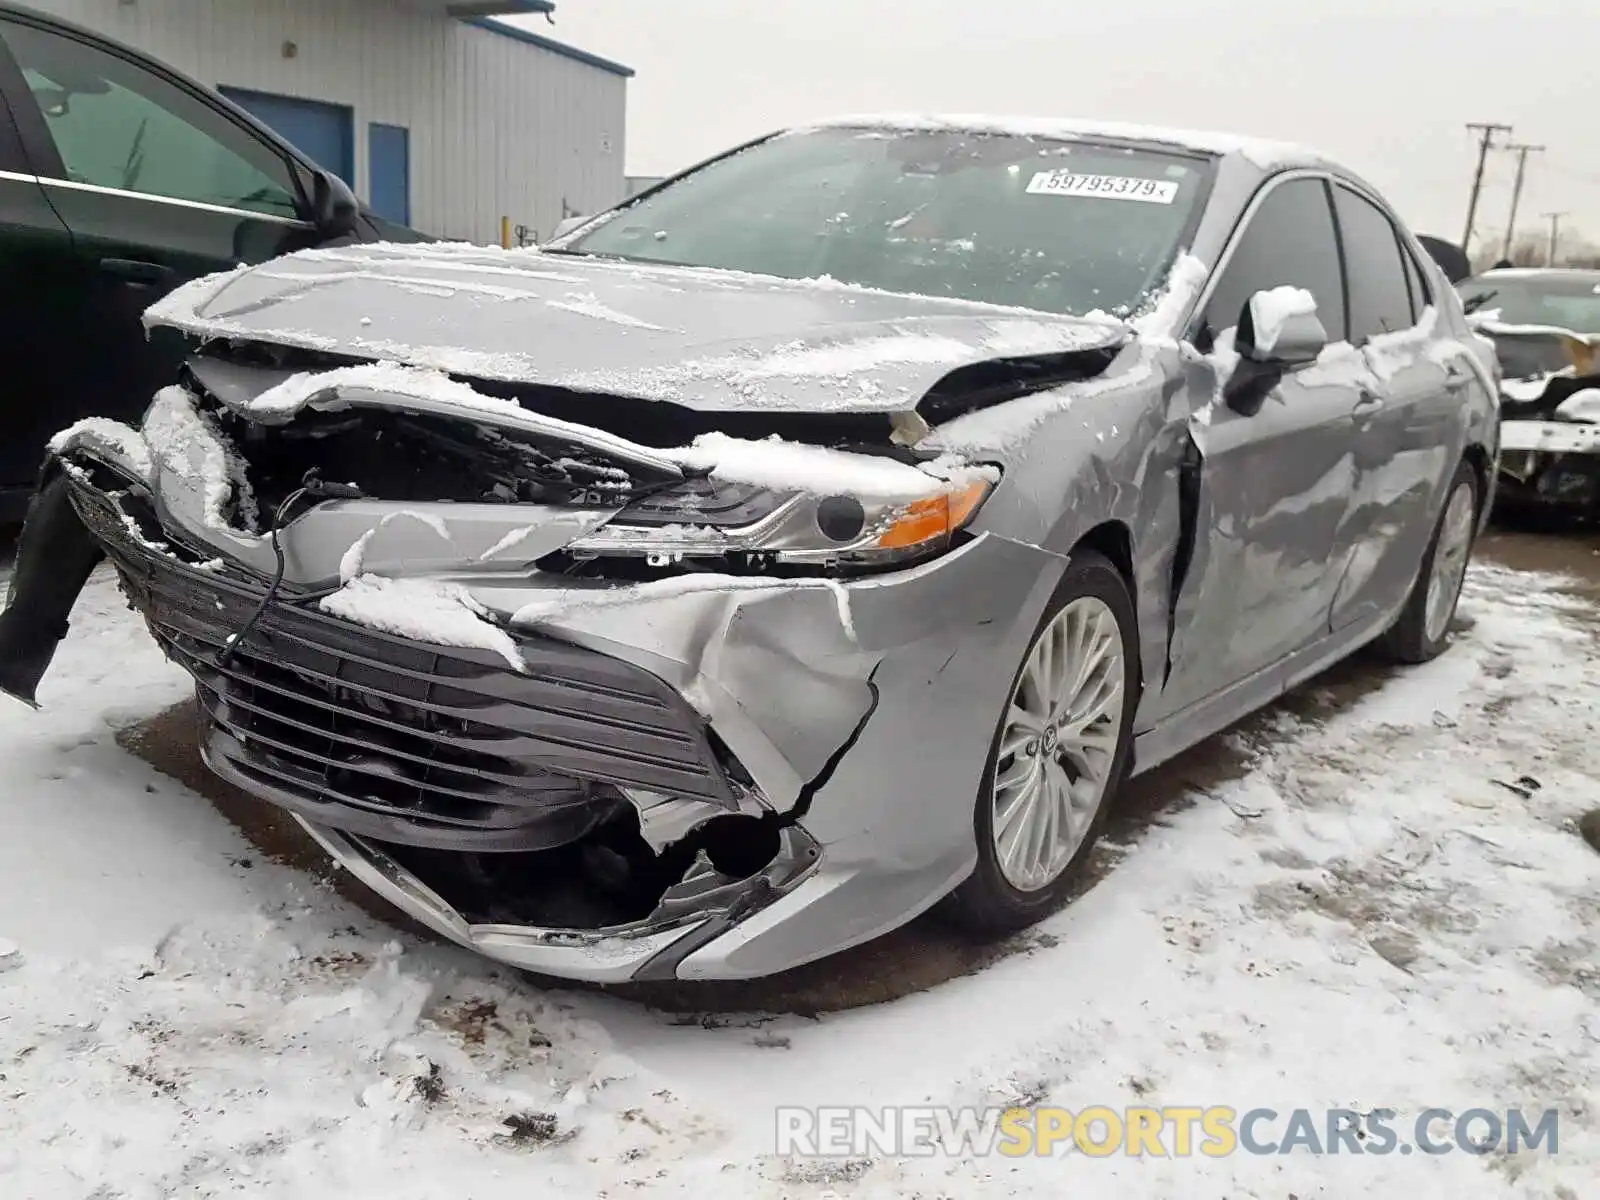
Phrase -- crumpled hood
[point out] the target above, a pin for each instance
(710, 340)
(1535, 352)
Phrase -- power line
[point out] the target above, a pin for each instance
(1487, 130)
(1521, 151)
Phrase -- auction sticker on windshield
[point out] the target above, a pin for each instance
(1106, 187)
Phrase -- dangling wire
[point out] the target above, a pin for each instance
(310, 485)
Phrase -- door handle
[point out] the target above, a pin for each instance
(1367, 401)
(132, 270)
(1455, 379)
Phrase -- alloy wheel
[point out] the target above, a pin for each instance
(1058, 746)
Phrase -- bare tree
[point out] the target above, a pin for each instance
(1530, 249)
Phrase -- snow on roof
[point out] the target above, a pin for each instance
(1261, 151)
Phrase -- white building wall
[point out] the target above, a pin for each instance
(498, 127)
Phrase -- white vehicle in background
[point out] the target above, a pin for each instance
(1545, 324)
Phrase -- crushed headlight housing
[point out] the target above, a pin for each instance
(704, 518)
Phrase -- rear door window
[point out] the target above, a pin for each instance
(1289, 241)
(117, 125)
(1380, 297)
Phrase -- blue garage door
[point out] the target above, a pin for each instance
(324, 133)
(389, 169)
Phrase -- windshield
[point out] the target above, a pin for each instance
(1570, 302)
(1001, 219)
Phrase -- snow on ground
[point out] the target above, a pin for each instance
(1364, 918)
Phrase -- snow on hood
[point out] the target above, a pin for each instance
(770, 462)
(283, 400)
(710, 340)
(1582, 349)
(391, 384)
(1488, 322)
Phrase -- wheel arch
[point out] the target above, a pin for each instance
(1113, 540)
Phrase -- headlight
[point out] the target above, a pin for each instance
(703, 518)
(1582, 405)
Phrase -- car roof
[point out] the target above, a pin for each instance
(1261, 152)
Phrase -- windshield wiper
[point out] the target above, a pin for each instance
(590, 254)
(1474, 303)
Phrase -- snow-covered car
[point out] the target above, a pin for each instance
(819, 537)
(1545, 324)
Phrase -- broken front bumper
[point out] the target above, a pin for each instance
(650, 949)
(1554, 464)
(850, 720)
(1555, 437)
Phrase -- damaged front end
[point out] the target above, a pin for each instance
(1549, 417)
(564, 696)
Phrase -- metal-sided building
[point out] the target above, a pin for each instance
(442, 117)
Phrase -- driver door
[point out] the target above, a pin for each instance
(156, 184)
(1272, 487)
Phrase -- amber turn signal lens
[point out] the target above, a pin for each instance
(925, 520)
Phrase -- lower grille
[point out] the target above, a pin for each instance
(405, 741)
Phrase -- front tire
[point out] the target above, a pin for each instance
(1423, 629)
(1059, 753)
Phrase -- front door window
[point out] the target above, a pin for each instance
(117, 125)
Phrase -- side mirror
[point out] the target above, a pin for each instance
(567, 225)
(334, 208)
(1278, 330)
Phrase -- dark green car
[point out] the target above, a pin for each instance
(119, 180)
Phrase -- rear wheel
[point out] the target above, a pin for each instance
(1059, 753)
(1423, 629)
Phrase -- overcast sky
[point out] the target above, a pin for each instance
(1384, 85)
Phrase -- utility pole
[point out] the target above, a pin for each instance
(1522, 152)
(1555, 232)
(1487, 130)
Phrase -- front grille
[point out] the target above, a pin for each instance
(405, 741)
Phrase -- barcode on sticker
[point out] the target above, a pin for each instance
(1106, 187)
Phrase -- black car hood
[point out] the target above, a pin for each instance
(706, 339)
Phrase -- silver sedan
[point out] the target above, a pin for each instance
(822, 536)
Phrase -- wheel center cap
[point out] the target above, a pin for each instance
(1050, 737)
